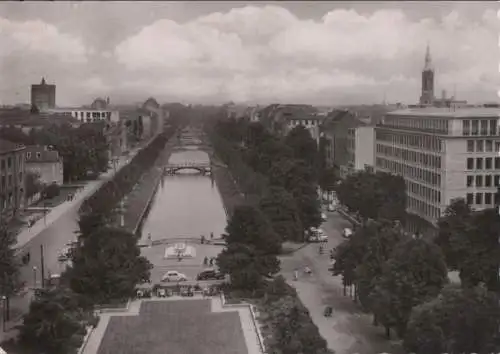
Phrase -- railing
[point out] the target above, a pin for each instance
(188, 164)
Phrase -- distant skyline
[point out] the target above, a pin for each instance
(323, 53)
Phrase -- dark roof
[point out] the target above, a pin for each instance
(41, 154)
(152, 101)
(8, 146)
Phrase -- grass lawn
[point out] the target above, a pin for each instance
(175, 327)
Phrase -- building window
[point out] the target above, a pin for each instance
(3, 164)
(88, 115)
(493, 127)
(466, 127)
(479, 181)
(479, 146)
(487, 198)
(28, 155)
(9, 162)
(475, 127)
(470, 145)
(497, 163)
(484, 127)
(470, 198)
(479, 198)
(487, 181)
(496, 180)
(488, 162)
(470, 181)
(488, 146)
(470, 163)
(479, 163)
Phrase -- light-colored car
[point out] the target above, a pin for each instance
(331, 207)
(173, 275)
(347, 232)
(317, 235)
(323, 217)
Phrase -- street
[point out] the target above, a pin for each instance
(348, 330)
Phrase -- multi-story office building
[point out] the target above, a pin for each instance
(442, 154)
(43, 96)
(89, 115)
(11, 177)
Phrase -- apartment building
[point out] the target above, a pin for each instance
(360, 150)
(11, 177)
(89, 115)
(442, 154)
(44, 162)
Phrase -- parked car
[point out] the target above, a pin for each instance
(173, 275)
(347, 232)
(317, 235)
(323, 217)
(210, 274)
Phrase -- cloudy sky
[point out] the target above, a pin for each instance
(323, 53)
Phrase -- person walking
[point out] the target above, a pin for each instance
(205, 260)
(296, 274)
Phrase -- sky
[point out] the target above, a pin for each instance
(321, 53)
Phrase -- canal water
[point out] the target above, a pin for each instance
(186, 204)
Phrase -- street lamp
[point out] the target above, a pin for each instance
(4, 312)
(34, 276)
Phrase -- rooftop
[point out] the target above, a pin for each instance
(40, 154)
(7, 146)
(466, 112)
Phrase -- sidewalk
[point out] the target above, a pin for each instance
(53, 231)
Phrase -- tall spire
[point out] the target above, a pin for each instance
(428, 60)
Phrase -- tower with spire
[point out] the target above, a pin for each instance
(427, 96)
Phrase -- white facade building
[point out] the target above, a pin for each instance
(442, 154)
(87, 115)
(360, 148)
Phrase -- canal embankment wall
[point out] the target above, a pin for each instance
(229, 191)
(139, 201)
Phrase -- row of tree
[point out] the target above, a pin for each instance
(250, 258)
(102, 203)
(403, 279)
(279, 179)
(280, 176)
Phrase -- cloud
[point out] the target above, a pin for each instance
(37, 37)
(253, 52)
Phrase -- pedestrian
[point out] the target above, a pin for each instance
(296, 274)
(202, 239)
(205, 261)
(211, 235)
(211, 262)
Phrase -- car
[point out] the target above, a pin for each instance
(347, 232)
(317, 235)
(173, 275)
(323, 217)
(210, 274)
(331, 207)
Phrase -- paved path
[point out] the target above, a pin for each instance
(348, 331)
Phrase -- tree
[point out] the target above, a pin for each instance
(415, 273)
(469, 241)
(454, 228)
(9, 264)
(32, 184)
(304, 147)
(376, 196)
(246, 265)
(308, 203)
(328, 179)
(457, 321)
(34, 109)
(107, 266)
(54, 323)
(51, 191)
(249, 226)
(280, 209)
(380, 240)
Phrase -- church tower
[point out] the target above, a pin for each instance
(427, 97)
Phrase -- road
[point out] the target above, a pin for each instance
(348, 330)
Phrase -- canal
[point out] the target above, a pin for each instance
(185, 207)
